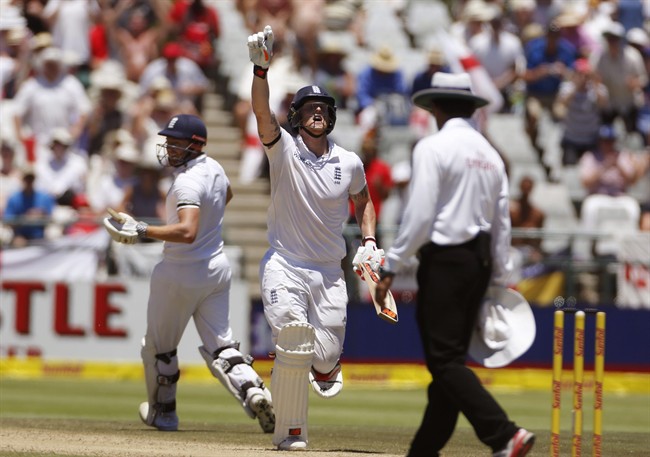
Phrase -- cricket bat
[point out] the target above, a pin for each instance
(387, 313)
(115, 215)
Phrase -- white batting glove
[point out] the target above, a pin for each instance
(123, 228)
(260, 47)
(368, 253)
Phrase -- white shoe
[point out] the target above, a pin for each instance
(293, 443)
(518, 446)
(263, 409)
(163, 421)
(327, 385)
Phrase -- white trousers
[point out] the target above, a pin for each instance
(296, 292)
(180, 291)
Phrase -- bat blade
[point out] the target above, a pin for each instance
(387, 313)
(115, 215)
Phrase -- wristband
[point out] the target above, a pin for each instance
(260, 72)
(141, 228)
(368, 238)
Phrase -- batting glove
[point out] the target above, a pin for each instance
(124, 229)
(368, 253)
(260, 47)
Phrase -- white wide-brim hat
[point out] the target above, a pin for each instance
(505, 328)
(457, 86)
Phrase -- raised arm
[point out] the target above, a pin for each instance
(260, 51)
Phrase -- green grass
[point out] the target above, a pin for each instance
(358, 421)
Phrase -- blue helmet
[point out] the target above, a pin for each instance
(186, 127)
(182, 127)
(311, 93)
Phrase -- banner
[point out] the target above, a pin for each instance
(634, 272)
(94, 321)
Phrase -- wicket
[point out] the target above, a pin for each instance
(578, 379)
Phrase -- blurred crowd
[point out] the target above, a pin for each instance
(86, 85)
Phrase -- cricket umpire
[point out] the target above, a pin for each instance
(457, 222)
(192, 281)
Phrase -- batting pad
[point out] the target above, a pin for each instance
(294, 353)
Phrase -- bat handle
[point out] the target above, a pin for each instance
(115, 215)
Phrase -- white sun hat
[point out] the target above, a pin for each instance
(505, 328)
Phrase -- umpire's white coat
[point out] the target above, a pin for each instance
(302, 278)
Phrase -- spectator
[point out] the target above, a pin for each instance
(70, 22)
(28, 210)
(643, 120)
(382, 91)
(580, 103)
(63, 95)
(521, 16)
(524, 214)
(144, 198)
(622, 70)
(571, 29)
(547, 61)
(196, 23)
(137, 39)
(331, 73)
(472, 20)
(631, 13)
(378, 173)
(63, 174)
(435, 62)
(151, 114)
(14, 59)
(501, 54)
(638, 39)
(33, 13)
(187, 79)
(607, 173)
(107, 114)
(112, 183)
(546, 10)
(10, 175)
(607, 170)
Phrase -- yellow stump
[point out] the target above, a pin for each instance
(599, 375)
(558, 343)
(578, 379)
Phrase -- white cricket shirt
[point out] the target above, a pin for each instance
(459, 187)
(201, 183)
(309, 199)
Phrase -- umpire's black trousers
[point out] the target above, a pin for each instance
(452, 281)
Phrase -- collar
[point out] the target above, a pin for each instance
(305, 152)
(458, 122)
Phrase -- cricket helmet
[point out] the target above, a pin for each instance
(183, 127)
(306, 94)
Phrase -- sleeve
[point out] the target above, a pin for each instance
(358, 181)
(501, 237)
(187, 192)
(11, 210)
(420, 211)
